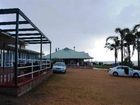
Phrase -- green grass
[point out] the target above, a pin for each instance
(102, 66)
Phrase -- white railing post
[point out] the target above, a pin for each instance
(49, 64)
(40, 65)
(46, 64)
(32, 70)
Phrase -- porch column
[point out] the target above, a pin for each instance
(41, 52)
(16, 49)
(50, 50)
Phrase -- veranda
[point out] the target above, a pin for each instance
(21, 69)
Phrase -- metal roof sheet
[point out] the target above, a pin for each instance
(67, 53)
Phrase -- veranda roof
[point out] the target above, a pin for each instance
(7, 43)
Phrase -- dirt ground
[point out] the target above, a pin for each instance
(81, 87)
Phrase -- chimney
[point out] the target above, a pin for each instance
(74, 48)
(55, 49)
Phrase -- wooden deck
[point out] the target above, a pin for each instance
(25, 81)
(6, 76)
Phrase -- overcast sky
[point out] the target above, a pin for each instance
(84, 24)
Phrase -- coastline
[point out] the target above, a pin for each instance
(112, 62)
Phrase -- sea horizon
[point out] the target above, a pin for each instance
(111, 62)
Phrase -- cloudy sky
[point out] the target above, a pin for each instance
(84, 24)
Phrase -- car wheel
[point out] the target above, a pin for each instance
(136, 75)
(64, 72)
(115, 74)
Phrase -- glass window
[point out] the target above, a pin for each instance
(120, 68)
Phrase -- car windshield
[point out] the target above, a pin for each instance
(59, 64)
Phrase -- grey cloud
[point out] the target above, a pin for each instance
(130, 15)
(73, 22)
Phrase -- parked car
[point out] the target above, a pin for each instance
(59, 67)
(124, 71)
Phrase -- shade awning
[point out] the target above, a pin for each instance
(29, 33)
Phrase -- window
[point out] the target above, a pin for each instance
(120, 68)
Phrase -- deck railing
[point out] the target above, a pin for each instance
(27, 71)
(6, 75)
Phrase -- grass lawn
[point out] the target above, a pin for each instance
(102, 66)
(81, 87)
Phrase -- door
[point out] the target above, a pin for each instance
(120, 71)
(126, 71)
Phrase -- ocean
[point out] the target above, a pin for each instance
(111, 62)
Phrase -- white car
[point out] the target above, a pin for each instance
(59, 67)
(124, 71)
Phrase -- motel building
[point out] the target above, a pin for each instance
(72, 58)
(21, 69)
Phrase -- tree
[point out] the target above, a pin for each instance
(129, 40)
(113, 45)
(123, 33)
(137, 35)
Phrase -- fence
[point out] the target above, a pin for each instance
(28, 69)
(6, 75)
